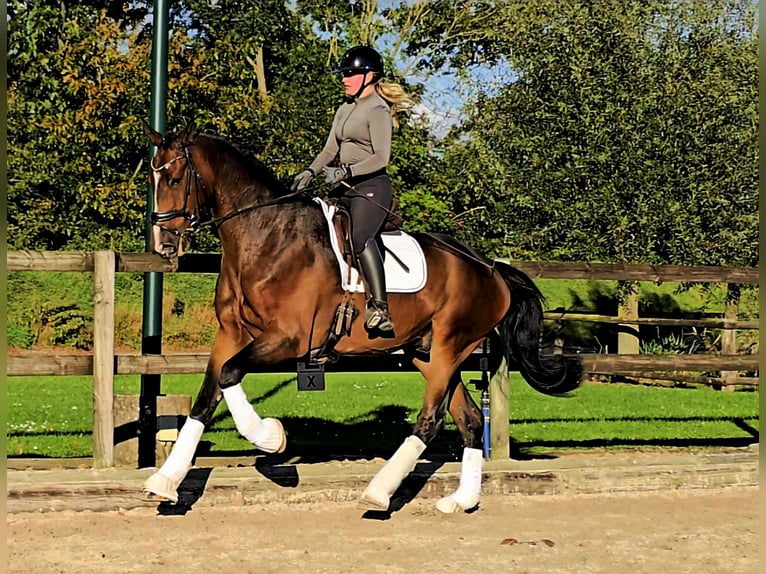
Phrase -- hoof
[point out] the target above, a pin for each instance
(159, 487)
(276, 439)
(448, 505)
(374, 499)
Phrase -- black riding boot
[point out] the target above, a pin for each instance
(376, 317)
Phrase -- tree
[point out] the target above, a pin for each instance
(76, 78)
(629, 134)
(626, 132)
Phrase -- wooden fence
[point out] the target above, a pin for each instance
(103, 364)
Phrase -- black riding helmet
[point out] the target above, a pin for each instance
(358, 60)
(361, 59)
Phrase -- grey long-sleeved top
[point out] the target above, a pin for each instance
(361, 131)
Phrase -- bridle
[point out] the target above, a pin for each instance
(159, 217)
(194, 219)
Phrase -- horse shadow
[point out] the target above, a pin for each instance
(190, 491)
(375, 434)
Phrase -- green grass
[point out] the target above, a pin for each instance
(370, 414)
(625, 416)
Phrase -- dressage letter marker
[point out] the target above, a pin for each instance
(310, 377)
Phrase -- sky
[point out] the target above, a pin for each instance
(445, 96)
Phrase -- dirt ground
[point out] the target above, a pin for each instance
(705, 530)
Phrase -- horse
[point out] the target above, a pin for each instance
(278, 291)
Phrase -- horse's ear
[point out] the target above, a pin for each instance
(189, 133)
(154, 136)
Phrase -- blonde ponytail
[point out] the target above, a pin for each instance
(397, 99)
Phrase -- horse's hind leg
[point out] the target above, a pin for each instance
(468, 419)
(441, 378)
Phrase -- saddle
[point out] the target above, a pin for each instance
(404, 266)
(343, 227)
(403, 259)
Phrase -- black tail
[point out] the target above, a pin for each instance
(520, 330)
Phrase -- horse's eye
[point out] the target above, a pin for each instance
(175, 181)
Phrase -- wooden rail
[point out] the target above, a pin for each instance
(103, 364)
(211, 263)
(35, 364)
(709, 323)
(634, 272)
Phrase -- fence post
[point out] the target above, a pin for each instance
(103, 358)
(628, 340)
(499, 410)
(729, 336)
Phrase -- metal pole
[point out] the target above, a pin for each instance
(486, 441)
(151, 332)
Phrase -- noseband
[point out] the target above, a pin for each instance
(159, 217)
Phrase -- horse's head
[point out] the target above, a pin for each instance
(179, 190)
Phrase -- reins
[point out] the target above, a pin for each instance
(275, 201)
(462, 252)
(216, 222)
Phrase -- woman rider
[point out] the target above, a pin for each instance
(361, 132)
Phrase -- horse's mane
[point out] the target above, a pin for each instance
(261, 171)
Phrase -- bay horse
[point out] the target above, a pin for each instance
(278, 291)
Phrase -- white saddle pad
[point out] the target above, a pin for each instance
(403, 261)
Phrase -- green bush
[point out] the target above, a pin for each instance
(50, 308)
(47, 308)
(19, 337)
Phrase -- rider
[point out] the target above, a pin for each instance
(361, 132)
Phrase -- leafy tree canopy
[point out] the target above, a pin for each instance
(626, 132)
(629, 134)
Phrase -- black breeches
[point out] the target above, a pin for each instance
(368, 203)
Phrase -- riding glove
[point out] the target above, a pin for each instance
(334, 175)
(302, 180)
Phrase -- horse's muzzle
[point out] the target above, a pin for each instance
(166, 243)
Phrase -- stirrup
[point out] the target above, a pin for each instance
(377, 317)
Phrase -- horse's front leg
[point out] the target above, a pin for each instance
(163, 484)
(266, 434)
(221, 380)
